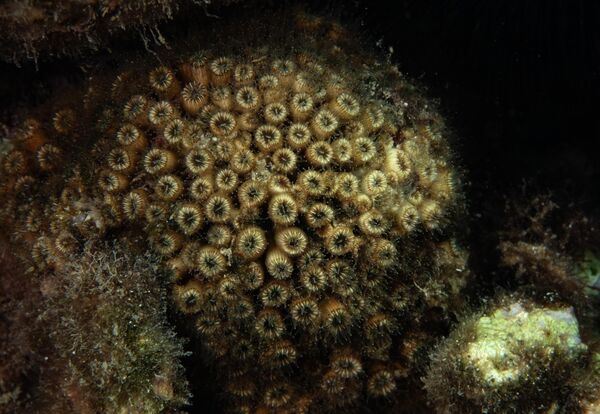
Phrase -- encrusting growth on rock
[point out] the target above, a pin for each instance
(112, 339)
(498, 362)
(299, 201)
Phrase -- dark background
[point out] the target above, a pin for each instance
(518, 82)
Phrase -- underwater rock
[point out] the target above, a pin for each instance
(90, 337)
(34, 30)
(114, 349)
(500, 361)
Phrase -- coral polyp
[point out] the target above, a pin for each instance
(287, 190)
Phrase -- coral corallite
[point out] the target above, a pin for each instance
(299, 199)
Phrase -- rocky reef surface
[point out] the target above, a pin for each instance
(39, 30)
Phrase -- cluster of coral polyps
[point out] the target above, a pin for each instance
(300, 206)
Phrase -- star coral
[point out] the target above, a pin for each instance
(301, 198)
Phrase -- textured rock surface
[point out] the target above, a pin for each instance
(33, 30)
(499, 361)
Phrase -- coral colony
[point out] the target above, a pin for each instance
(301, 203)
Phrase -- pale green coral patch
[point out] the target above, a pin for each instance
(596, 362)
(588, 269)
(503, 339)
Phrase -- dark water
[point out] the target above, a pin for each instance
(519, 81)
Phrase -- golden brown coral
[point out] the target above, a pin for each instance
(284, 198)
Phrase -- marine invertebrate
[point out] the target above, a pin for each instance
(498, 361)
(287, 193)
